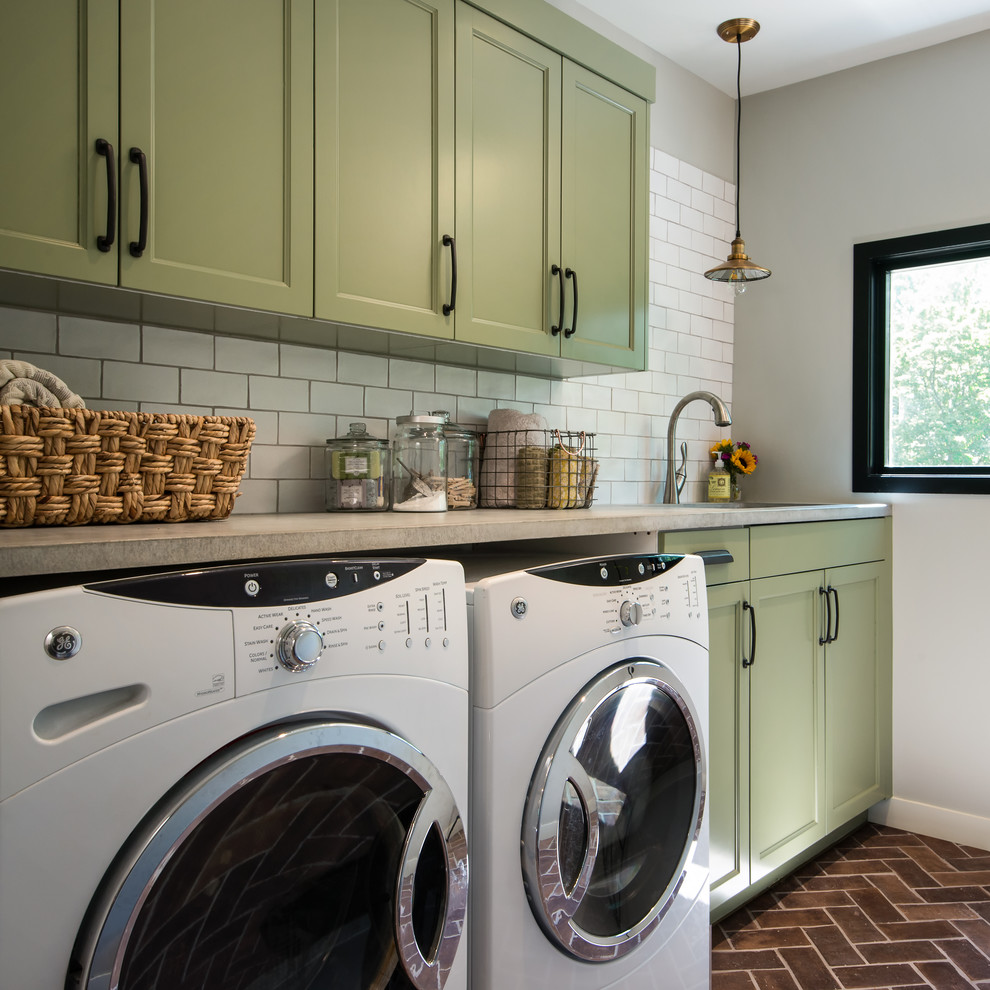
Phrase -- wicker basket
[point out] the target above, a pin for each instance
(66, 467)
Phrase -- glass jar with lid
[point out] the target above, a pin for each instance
(462, 464)
(419, 476)
(358, 471)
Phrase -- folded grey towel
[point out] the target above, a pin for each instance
(509, 430)
(22, 384)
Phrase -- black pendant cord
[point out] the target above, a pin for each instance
(738, 125)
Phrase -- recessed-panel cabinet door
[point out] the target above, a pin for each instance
(218, 97)
(728, 747)
(857, 672)
(787, 721)
(508, 186)
(58, 80)
(385, 163)
(604, 214)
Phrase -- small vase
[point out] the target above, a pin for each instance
(735, 493)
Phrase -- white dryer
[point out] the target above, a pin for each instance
(240, 778)
(589, 688)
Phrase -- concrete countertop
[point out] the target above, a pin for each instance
(64, 549)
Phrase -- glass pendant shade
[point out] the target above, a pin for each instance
(738, 267)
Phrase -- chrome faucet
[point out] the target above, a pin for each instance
(671, 492)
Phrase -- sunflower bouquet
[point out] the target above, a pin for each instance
(738, 458)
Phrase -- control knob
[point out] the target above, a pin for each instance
(631, 613)
(299, 645)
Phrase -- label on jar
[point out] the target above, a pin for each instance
(349, 465)
(718, 486)
(356, 494)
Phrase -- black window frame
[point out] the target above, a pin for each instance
(872, 263)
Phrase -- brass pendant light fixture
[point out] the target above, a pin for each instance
(738, 270)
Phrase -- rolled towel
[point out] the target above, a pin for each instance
(508, 431)
(22, 384)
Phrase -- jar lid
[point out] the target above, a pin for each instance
(454, 429)
(359, 436)
(420, 419)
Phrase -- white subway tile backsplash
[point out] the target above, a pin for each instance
(314, 363)
(253, 357)
(333, 397)
(144, 383)
(300, 395)
(18, 327)
(362, 369)
(278, 393)
(80, 337)
(213, 388)
(188, 349)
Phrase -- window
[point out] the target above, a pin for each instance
(921, 363)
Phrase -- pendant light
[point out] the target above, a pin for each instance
(738, 269)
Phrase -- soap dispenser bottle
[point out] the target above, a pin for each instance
(719, 482)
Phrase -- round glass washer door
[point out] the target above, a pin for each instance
(614, 812)
(304, 856)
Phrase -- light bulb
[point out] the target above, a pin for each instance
(739, 286)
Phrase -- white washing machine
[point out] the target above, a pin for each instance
(589, 855)
(240, 778)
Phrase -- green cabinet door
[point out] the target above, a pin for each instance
(787, 721)
(58, 77)
(385, 163)
(219, 98)
(858, 691)
(604, 214)
(728, 746)
(508, 186)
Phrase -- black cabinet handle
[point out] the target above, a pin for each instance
(448, 308)
(559, 272)
(105, 241)
(827, 618)
(138, 157)
(835, 635)
(570, 273)
(752, 635)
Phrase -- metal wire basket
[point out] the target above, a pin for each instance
(538, 469)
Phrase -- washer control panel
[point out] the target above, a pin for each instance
(300, 618)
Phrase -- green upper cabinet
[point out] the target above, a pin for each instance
(384, 163)
(218, 97)
(58, 76)
(604, 219)
(508, 185)
(551, 201)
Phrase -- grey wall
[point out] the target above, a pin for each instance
(899, 146)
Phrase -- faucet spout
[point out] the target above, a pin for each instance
(671, 493)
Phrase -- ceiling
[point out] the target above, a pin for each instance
(794, 42)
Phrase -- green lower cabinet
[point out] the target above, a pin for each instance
(800, 728)
(728, 741)
(857, 692)
(787, 722)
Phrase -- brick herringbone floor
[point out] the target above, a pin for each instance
(884, 908)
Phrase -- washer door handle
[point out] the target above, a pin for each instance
(437, 814)
(559, 896)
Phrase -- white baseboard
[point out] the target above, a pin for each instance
(940, 823)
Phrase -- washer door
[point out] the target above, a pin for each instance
(309, 855)
(613, 812)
